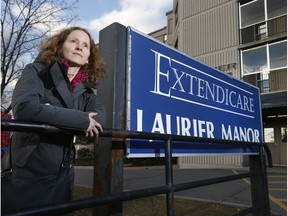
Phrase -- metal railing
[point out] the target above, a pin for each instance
(257, 173)
(274, 81)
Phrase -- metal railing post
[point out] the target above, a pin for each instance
(169, 178)
(264, 178)
(259, 184)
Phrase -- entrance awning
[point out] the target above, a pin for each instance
(274, 100)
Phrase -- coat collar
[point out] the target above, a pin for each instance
(61, 83)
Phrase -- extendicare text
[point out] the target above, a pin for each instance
(180, 81)
(168, 92)
(194, 127)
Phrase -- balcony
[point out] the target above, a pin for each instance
(268, 29)
(274, 81)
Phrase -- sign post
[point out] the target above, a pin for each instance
(109, 153)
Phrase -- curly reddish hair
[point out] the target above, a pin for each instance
(51, 50)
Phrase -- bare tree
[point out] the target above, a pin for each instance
(24, 23)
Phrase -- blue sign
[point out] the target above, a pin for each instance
(172, 93)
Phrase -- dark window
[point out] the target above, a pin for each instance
(260, 31)
(244, 1)
(252, 33)
(252, 13)
(276, 8)
(254, 60)
(278, 55)
(247, 34)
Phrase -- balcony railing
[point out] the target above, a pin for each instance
(277, 81)
(264, 30)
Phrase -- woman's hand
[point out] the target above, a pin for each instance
(94, 126)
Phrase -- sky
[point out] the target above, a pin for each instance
(143, 15)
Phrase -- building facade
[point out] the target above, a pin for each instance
(246, 39)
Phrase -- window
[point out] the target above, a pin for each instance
(252, 12)
(269, 135)
(252, 64)
(284, 134)
(276, 8)
(266, 67)
(244, 1)
(262, 18)
(278, 55)
(260, 31)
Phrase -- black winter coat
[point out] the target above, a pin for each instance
(45, 95)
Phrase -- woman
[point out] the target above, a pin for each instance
(57, 89)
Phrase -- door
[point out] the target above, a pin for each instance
(283, 146)
(275, 136)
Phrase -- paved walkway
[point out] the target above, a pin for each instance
(235, 192)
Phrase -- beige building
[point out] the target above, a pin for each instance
(246, 39)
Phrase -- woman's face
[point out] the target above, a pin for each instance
(76, 48)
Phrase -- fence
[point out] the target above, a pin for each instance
(257, 173)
